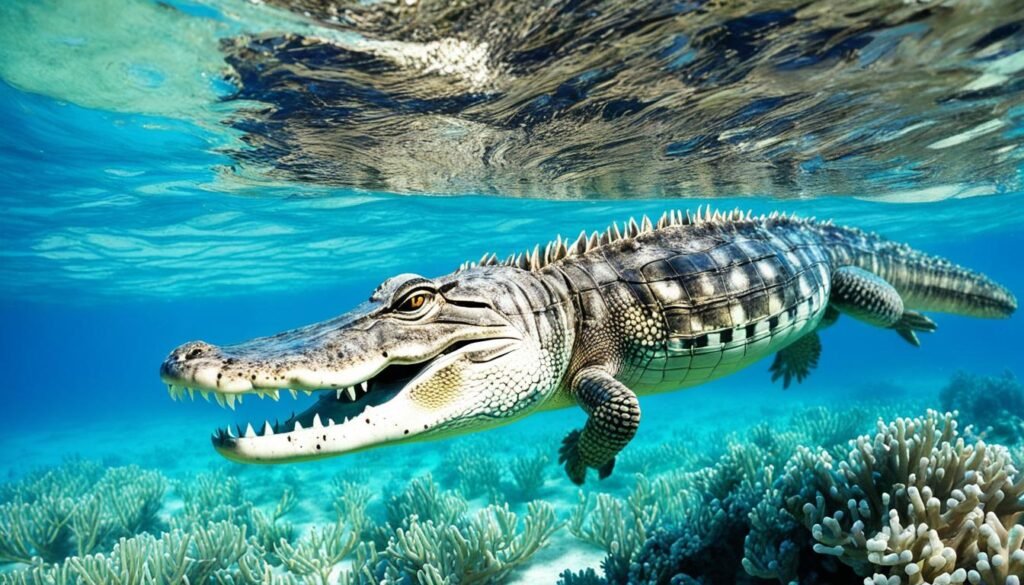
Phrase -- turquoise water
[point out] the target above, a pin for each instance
(227, 170)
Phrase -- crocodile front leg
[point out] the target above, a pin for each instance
(867, 297)
(614, 418)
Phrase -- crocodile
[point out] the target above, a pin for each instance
(596, 322)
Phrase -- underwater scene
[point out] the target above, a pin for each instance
(570, 292)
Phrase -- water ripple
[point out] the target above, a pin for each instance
(616, 99)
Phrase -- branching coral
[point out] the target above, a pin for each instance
(206, 555)
(913, 502)
(212, 497)
(827, 427)
(475, 472)
(485, 549)
(320, 551)
(677, 523)
(528, 473)
(993, 405)
(75, 509)
(423, 499)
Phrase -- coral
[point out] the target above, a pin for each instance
(212, 497)
(482, 549)
(270, 530)
(423, 499)
(528, 473)
(475, 471)
(209, 553)
(654, 459)
(584, 577)
(827, 427)
(318, 553)
(679, 523)
(913, 501)
(993, 405)
(75, 509)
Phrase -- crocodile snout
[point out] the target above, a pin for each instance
(193, 350)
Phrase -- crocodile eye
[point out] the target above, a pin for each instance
(414, 302)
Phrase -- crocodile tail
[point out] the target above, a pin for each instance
(925, 282)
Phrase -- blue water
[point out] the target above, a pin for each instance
(213, 208)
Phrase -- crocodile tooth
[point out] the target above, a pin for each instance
(337, 393)
(595, 241)
(219, 397)
(230, 398)
(364, 386)
(170, 391)
(249, 432)
(316, 421)
(274, 395)
(240, 398)
(330, 422)
(664, 221)
(645, 225)
(191, 393)
(295, 395)
(267, 429)
(297, 427)
(535, 258)
(351, 393)
(616, 234)
(229, 431)
(205, 395)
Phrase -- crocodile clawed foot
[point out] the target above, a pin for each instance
(569, 456)
(796, 361)
(575, 467)
(910, 323)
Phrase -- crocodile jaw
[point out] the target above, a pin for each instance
(389, 413)
(373, 427)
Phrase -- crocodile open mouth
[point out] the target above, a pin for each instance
(333, 408)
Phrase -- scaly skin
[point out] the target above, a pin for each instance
(595, 323)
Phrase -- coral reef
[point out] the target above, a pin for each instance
(528, 474)
(483, 548)
(912, 502)
(811, 496)
(76, 509)
(78, 524)
(474, 471)
(992, 405)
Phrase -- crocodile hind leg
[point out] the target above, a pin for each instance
(614, 418)
(797, 360)
(869, 298)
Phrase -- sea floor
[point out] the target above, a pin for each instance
(691, 429)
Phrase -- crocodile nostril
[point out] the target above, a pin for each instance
(193, 354)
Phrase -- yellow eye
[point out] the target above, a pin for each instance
(414, 302)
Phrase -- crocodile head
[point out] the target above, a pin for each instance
(423, 358)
